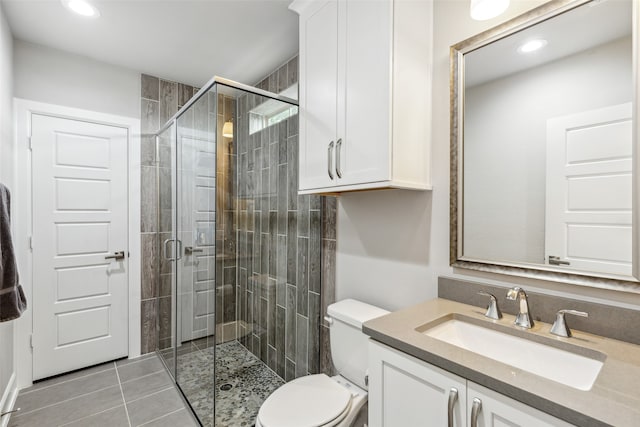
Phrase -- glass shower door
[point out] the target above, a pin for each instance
(166, 191)
(195, 270)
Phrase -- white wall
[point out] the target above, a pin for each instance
(392, 245)
(505, 218)
(56, 77)
(7, 171)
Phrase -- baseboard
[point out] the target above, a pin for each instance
(9, 397)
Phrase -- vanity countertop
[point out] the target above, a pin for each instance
(614, 399)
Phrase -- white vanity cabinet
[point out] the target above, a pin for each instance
(405, 391)
(365, 94)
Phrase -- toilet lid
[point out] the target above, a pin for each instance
(310, 401)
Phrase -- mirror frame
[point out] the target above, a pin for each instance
(532, 271)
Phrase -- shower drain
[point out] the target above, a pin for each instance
(226, 387)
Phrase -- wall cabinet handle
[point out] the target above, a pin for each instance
(475, 411)
(330, 160)
(453, 398)
(338, 161)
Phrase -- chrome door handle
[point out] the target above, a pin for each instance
(475, 411)
(179, 251)
(190, 250)
(116, 255)
(330, 159)
(164, 249)
(338, 161)
(555, 260)
(453, 398)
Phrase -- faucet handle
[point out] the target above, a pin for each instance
(493, 311)
(560, 326)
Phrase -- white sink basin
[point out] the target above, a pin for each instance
(558, 365)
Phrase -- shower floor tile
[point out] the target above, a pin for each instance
(243, 382)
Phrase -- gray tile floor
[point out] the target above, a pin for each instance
(127, 393)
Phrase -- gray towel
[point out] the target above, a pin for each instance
(12, 300)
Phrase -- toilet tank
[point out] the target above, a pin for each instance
(348, 342)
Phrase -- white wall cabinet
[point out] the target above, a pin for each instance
(405, 391)
(365, 94)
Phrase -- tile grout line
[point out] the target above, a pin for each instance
(143, 376)
(124, 402)
(65, 401)
(169, 387)
(65, 381)
(89, 416)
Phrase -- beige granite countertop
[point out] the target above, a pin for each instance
(614, 399)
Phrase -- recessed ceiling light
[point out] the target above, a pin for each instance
(481, 10)
(532, 46)
(81, 7)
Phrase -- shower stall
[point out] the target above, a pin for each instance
(240, 252)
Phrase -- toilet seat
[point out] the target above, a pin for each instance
(310, 401)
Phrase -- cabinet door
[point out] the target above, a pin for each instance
(497, 410)
(404, 391)
(364, 103)
(318, 96)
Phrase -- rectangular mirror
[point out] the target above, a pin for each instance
(543, 145)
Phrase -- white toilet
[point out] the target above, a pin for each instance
(319, 400)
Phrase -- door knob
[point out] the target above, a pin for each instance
(116, 255)
(190, 250)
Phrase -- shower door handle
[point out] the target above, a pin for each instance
(338, 158)
(165, 244)
(330, 160)
(165, 250)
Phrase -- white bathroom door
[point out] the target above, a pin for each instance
(589, 189)
(80, 290)
(197, 231)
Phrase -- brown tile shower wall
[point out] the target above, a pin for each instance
(286, 245)
(160, 100)
(284, 279)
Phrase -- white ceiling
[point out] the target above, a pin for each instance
(578, 30)
(187, 41)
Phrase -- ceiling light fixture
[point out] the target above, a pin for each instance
(81, 7)
(481, 10)
(532, 46)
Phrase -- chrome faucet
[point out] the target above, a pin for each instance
(523, 318)
(493, 311)
(560, 326)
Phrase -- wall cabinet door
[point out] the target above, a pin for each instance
(365, 94)
(364, 105)
(404, 391)
(497, 410)
(318, 94)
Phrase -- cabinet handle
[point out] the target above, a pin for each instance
(330, 159)
(475, 411)
(453, 398)
(338, 161)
